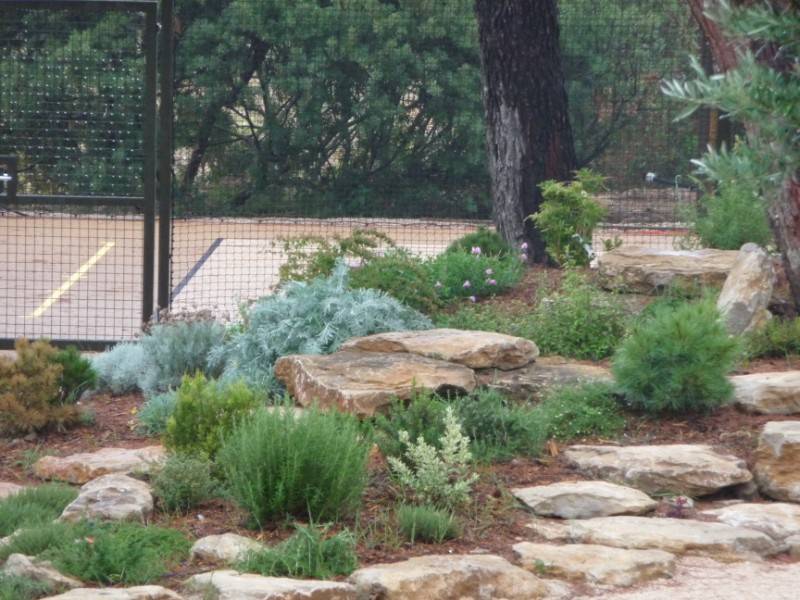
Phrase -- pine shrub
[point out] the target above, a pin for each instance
(426, 524)
(573, 412)
(183, 482)
(677, 361)
(77, 374)
(205, 412)
(309, 553)
(311, 318)
(311, 465)
(31, 396)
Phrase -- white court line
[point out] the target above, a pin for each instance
(73, 279)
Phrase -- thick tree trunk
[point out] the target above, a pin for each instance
(528, 133)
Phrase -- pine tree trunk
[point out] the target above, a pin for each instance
(528, 132)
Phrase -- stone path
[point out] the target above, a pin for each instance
(83, 467)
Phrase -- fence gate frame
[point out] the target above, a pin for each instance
(150, 191)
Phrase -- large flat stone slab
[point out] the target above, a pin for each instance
(677, 536)
(779, 520)
(648, 270)
(227, 547)
(747, 291)
(363, 382)
(447, 577)
(141, 592)
(83, 467)
(231, 585)
(584, 500)
(474, 349)
(532, 382)
(768, 393)
(691, 470)
(594, 564)
(777, 461)
(111, 498)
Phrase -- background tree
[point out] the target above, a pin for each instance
(529, 138)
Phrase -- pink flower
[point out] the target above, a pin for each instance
(523, 246)
(476, 250)
(523, 257)
(491, 281)
(473, 299)
(488, 272)
(467, 284)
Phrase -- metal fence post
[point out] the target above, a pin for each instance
(149, 114)
(166, 65)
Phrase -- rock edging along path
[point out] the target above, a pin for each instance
(777, 461)
(584, 499)
(768, 393)
(85, 466)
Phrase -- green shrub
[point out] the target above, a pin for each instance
(490, 242)
(311, 318)
(34, 506)
(779, 338)
(77, 374)
(205, 412)
(309, 553)
(13, 587)
(33, 540)
(30, 392)
(730, 218)
(567, 217)
(442, 476)
(120, 369)
(497, 429)
(177, 349)
(121, 553)
(677, 361)
(422, 416)
(570, 412)
(511, 318)
(308, 465)
(461, 275)
(310, 257)
(154, 414)
(183, 482)
(402, 276)
(579, 321)
(426, 524)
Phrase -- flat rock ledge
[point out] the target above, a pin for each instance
(777, 461)
(598, 565)
(648, 270)
(768, 393)
(232, 585)
(111, 498)
(42, 571)
(447, 577)
(533, 381)
(142, 592)
(690, 470)
(584, 500)
(227, 547)
(676, 536)
(779, 520)
(473, 349)
(363, 382)
(83, 467)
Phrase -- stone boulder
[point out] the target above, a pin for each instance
(584, 500)
(446, 577)
(28, 567)
(601, 565)
(231, 585)
(677, 536)
(778, 520)
(83, 467)
(647, 270)
(111, 498)
(363, 382)
(533, 381)
(9, 489)
(142, 592)
(777, 461)
(227, 548)
(768, 393)
(691, 470)
(473, 349)
(747, 291)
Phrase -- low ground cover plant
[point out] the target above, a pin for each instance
(459, 275)
(511, 318)
(310, 318)
(34, 506)
(426, 524)
(490, 242)
(153, 416)
(400, 275)
(32, 540)
(310, 553)
(183, 482)
(13, 587)
(421, 416)
(779, 338)
(205, 412)
(677, 360)
(311, 465)
(572, 412)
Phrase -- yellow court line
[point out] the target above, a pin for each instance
(73, 279)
